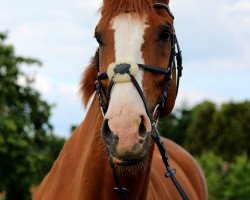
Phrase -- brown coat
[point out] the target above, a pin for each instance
(82, 170)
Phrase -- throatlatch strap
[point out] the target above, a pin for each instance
(155, 135)
(170, 173)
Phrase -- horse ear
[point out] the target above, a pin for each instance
(88, 81)
(171, 97)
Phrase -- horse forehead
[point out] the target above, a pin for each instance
(129, 30)
(129, 20)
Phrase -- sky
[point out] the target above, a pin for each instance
(214, 37)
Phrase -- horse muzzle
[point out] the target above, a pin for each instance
(127, 140)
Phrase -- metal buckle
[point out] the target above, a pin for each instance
(102, 112)
(156, 114)
(170, 173)
(99, 96)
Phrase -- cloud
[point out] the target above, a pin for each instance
(60, 34)
(221, 65)
(191, 96)
(94, 4)
(213, 29)
(68, 106)
(237, 7)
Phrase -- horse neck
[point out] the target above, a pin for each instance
(97, 171)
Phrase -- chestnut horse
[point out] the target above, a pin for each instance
(114, 148)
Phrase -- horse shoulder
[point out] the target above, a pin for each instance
(188, 173)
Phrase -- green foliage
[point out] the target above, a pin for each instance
(213, 168)
(226, 181)
(73, 128)
(197, 133)
(207, 127)
(237, 181)
(25, 130)
(47, 156)
(174, 125)
(231, 128)
(219, 138)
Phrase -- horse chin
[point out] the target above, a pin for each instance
(128, 163)
(130, 167)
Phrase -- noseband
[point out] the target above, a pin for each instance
(124, 69)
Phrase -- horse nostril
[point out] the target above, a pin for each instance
(109, 137)
(142, 128)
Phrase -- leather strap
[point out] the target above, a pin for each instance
(154, 68)
(138, 88)
(164, 6)
(170, 172)
(118, 188)
(111, 84)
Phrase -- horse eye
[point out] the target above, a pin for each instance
(99, 39)
(164, 34)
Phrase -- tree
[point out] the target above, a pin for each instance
(198, 131)
(175, 125)
(25, 129)
(215, 171)
(226, 180)
(237, 180)
(230, 130)
(209, 128)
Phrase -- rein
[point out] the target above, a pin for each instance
(175, 58)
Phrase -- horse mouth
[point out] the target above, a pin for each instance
(127, 163)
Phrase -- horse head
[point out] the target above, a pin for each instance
(133, 37)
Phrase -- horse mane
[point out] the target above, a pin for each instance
(89, 77)
(112, 8)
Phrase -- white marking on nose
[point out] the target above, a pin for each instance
(125, 100)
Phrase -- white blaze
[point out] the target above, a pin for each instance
(128, 37)
(129, 32)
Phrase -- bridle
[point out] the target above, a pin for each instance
(175, 58)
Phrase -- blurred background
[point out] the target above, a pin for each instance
(46, 45)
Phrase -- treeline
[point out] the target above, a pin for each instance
(218, 136)
(28, 146)
(207, 127)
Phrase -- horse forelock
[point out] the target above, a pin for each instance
(112, 8)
